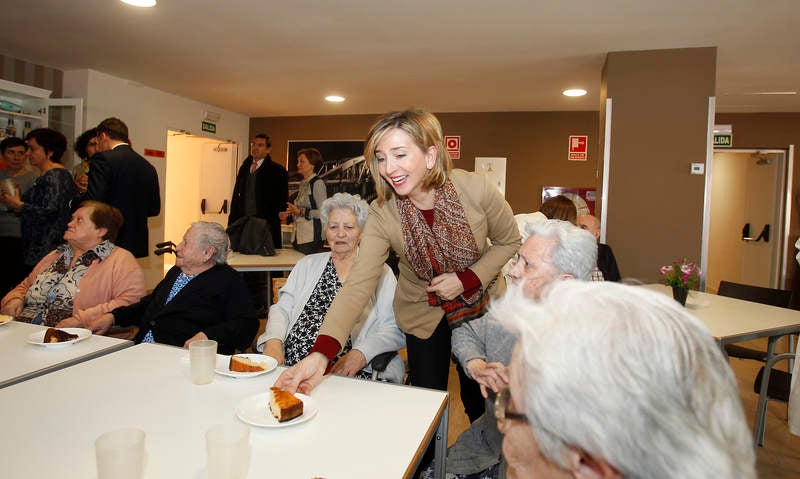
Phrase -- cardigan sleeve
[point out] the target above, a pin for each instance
(320, 192)
(468, 341)
(127, 286)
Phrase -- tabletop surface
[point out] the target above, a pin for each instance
(21, 360)
(732, 320)
(285, 259)
(363, 429)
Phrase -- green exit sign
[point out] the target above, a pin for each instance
(723, 140)
(212, 128)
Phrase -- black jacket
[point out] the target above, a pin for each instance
(272, 193)
(215, 302)
(607, 263)
(124, 179)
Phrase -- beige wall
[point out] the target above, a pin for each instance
(535, 144)
(659, 127)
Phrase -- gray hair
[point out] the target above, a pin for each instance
(628, 376)
(345, 201)
(575, 250)
(214, 235)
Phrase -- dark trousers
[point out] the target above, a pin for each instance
(471, 397)
(14, 270)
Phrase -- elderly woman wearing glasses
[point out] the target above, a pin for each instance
(555, 250)
(612, 381)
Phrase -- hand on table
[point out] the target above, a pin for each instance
(12, 308)
(303, 376)
(492, 376)
(350, 363)
(274, 348)
(447, 286)
(102, 324)
(71, 322)
(197, 337)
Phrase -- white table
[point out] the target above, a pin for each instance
(20, 361)
(732, 320)
(363, 429)
(284, 260)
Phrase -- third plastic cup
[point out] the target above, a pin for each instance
(228, 451)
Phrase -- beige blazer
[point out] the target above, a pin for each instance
(489, 217)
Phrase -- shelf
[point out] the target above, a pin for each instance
(20, 115)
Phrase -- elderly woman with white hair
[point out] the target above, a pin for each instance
(612, 381)
(303, 302)
(554, 250)
(201, 297)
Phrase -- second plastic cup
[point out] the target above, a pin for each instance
(203, 359)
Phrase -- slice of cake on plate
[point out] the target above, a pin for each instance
(284, 405)
(242, 364)
(53, 335)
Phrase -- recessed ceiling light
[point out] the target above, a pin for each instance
(140, 3)
(334, 98)
(574, 92)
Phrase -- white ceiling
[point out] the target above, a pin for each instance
(274, 58)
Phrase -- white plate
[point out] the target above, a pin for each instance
(38, 338)
(223, 361)
(254, 410)
(4, 318)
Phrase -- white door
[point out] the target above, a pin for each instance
(66, 116)
(746, 220)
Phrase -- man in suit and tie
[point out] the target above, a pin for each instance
(262, 190)
(124, 179)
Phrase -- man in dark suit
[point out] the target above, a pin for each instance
(262, 188)
(124, 179)
(606, 262)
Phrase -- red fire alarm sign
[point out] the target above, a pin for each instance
(453, 145)
(578, 147)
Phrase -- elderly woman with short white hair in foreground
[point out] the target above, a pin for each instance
(612, 381)
(294, 321)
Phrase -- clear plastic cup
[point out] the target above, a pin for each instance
(120, 454)
(228, 451)
(203, 359)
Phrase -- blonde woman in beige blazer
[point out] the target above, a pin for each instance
(437, 220)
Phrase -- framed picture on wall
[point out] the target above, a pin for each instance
(343, 169)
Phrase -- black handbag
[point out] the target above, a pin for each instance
(251, 235)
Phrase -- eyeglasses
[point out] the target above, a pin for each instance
(501, 411)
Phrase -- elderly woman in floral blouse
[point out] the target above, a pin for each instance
(83, 278)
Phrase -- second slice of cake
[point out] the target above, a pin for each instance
(284, 405)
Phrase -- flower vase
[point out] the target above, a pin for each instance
(680, 294)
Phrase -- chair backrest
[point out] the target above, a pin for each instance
(756, 294)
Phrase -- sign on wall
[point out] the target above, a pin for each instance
(723, 140)
(453, 145)
(578, 147)
(495, 170)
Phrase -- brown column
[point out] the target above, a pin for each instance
(659, 126)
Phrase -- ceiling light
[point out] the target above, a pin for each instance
(334, 98)
(574, 92)
(140, 3)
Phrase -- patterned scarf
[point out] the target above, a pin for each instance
(446, 247)
(52, 293)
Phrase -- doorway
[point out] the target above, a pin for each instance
(747, 218)
(199, 182)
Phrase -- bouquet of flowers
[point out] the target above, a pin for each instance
(681, 274)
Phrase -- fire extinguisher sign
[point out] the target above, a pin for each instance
(578, 147)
